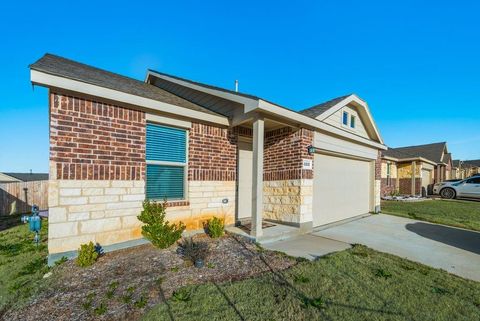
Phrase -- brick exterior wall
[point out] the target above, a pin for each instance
(212, 153)
(91, 140)
(388, 189)
(405, 186)
(284, 151)
(378, 166)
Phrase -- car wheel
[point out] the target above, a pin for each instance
(448, 193)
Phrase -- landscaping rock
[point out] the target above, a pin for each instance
(123, 284)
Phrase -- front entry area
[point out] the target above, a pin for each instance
(245, 178)
(342, 188)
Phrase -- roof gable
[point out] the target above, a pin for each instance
(323, 112)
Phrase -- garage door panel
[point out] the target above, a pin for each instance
(342, 188)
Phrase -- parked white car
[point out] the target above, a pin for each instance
(437, 187)
(469, 187)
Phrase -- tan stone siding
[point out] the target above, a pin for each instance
(206, 200)
(102, 211)
(288, 200)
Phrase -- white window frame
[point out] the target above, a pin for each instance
(177, 164)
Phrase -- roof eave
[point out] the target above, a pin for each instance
(46, 79)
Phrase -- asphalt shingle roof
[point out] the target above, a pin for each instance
(473, 162)
(433, 152)
(59, 66)
(456, 163)
(319, 109)
(28, 177)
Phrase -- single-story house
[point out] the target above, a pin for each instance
(471, 167)
(410, 170)
(116, 141)
(458, 171)
(22, 177)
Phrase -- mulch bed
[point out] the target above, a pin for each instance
(142, 272)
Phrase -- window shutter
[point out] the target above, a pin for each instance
(165, 182)
(166, 144)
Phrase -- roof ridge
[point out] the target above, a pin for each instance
(89, 66)
(326, 102)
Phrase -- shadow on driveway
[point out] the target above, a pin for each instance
(462, 239)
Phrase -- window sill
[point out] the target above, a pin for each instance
(178, 203)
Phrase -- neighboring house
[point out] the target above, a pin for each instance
(115, 141)
(458, 170)
(22, 177)
(471, 167)
(410, 170)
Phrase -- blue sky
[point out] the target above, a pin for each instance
(415, 62)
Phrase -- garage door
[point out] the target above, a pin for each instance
(426, 178)
(341, 189)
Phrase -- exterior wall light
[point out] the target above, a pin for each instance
(311, 150)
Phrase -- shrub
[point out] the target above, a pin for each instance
(215, 227)
(194, 251)
(87, 255)
(383, 273)
(182, 295)
(157, 230)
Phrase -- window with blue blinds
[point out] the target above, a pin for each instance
(165, 182)
(166, 156)
(166, 144)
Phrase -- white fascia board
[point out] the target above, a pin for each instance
(169, 121)
(390, 158)
(310, 122)
(411, 159)
(248, 102)
(48, 80)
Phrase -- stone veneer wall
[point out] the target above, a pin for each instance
(288, 189)
(405, 178)
(103, 211)
(212, 174)
(97, 169)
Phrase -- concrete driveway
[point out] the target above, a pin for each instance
(452, 249)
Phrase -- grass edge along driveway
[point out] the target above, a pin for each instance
(355, 284)
(456, 213)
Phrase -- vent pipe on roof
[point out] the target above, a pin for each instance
(236, 85)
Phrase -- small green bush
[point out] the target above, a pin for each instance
(215, 227)
(182, 295)
(157, 230)
(383, 273)
(87, 255)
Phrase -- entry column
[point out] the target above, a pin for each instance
(257, 179)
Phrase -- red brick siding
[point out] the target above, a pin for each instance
(285, 149)
(91, 140)
(378, 166)
(212, 153)
(388, 189)
(405, 186)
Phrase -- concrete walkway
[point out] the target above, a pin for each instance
(308, 246)
(452, 249)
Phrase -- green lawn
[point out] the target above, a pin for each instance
(22, 263)
(464, 214)
(357, 284)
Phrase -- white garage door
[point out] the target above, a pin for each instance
(341, 189)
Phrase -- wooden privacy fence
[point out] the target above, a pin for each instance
(18, 197)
